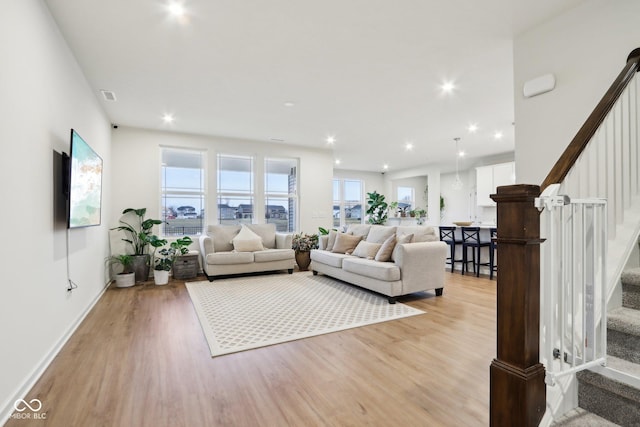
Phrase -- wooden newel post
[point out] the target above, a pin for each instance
(518, 391)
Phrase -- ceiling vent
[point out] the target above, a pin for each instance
(108, 95)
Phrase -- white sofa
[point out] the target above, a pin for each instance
(219, 257)
(417, 266)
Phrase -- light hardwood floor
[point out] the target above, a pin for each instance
(140, 359)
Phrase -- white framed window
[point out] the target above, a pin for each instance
(406, 198)
(183, 192)
(281, 193)
(235, 189)
(348, 202)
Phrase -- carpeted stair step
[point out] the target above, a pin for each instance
(625, 366)
(608, 398)
(581, 418)
(623, 334)
(631, 288)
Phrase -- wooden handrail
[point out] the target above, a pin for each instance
(590, 126)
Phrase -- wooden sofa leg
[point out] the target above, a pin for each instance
(315, 273)
(290, 271)
(392, 300)
(209, 278)
(439, 292)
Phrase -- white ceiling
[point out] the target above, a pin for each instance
(367, 71)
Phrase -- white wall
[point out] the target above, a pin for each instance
(136, 180)
(585, 48)
(44, 94)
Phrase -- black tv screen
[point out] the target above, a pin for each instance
(85, 184)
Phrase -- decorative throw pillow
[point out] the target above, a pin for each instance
(345, 243)
(247, 241)
(403, 238)
(366, 249)
(385, 251)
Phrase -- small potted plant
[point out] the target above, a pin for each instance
(165, 257)
(393, 209)
(302, 244)
(421, 215)
(126, 278)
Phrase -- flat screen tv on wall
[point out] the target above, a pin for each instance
(84, 178)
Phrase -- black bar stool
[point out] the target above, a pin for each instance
(447, 235)
(493, 265)
(471, 239)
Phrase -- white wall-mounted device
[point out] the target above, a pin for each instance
(539, 85)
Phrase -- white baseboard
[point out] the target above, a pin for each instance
(7, 408)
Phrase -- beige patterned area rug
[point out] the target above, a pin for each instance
(249, 312)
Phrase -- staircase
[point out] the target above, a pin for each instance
(546, 308)
(611, 396)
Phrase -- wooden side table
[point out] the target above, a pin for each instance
(186, 266)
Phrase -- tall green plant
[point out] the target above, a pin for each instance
(140, 234)
(376, 208)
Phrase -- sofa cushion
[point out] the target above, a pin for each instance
(247, 241)
(380, 233)
(273, 255)
(385, 251)
(345, 243)
(331, 240)
(359, 230)
(420, 233)
(366, 249)
(226, 258)
(328, 258)
(376, 270)
(222, 236)
(267, 233)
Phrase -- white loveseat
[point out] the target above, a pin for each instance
(418, 265)
(222, 253)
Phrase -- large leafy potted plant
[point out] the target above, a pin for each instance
(302, 244)
(376, 208)
(139, 234)
(163, 261)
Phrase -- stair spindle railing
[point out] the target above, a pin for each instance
(574, 318)
(607, 170)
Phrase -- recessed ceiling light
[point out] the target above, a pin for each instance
(168, 118)
(176, 9)
(385, 166)
(461, 153)
(337, 161)
(331, 139)
(447, 87)
(289, 104)
(472, 128)
(497, 135)
(408, 146)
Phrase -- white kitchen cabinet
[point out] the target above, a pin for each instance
(488, 178)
